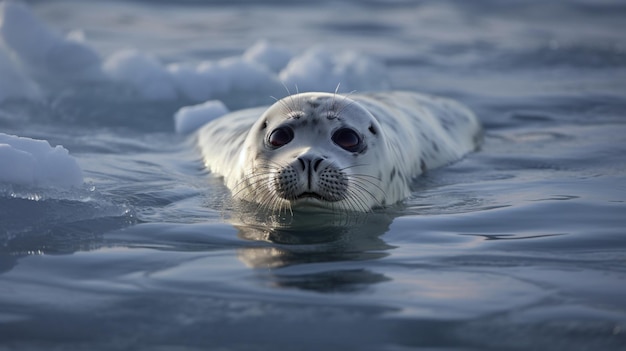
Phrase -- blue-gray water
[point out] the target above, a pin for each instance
(520, 246)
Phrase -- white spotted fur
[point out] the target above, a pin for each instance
(414, 133)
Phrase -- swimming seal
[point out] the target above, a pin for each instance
(343, 153)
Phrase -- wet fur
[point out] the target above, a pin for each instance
(404, 135)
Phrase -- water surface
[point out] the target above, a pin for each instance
(519, 246)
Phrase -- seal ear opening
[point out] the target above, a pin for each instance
(372, 129)
(264, 125)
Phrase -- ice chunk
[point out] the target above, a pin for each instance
(273, 57)
(206, 81)
(228, 77)
(24, 33)
(247, 76)
(74, 58)
(43, 57)
(190, 118)
(32, 162)
(143, 72)
(321, 70)
(43, 50)
(13, 83)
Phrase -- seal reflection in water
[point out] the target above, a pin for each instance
(334, 152)
(304, 238)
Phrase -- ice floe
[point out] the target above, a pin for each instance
(190, 118)
(32, 54)
(32, 162)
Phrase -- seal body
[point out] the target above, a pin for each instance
(347, 153)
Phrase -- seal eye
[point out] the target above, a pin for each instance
(347, 139)
(280, 136)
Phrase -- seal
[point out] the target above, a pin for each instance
(341, 153)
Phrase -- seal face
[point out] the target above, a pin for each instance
(321, 150)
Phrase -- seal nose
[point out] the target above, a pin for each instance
(310, 162)
(310, 165)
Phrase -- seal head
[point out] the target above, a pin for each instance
(312, 150)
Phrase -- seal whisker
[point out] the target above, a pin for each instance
(360, 174)
(292, 101)
(246, 182)
(288, 109)
(364, 186)
(258, 181)
(286, 88)
(354, 202)
(332, 105)
(364, 191)
(350, 102)
(267, 203)
(270, 203)
(362, 180)
(358, 200)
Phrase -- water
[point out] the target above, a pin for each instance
(520, 246)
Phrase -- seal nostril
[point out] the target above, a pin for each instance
(302, 163)
(317, 164)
